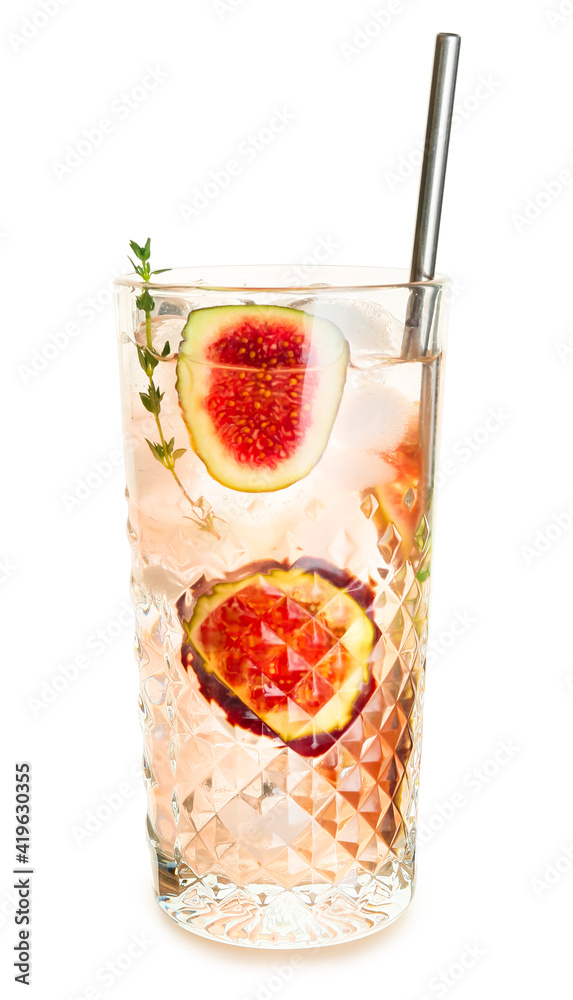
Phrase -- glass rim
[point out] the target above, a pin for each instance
(396, 278)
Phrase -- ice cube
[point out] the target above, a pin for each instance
(373, 416)
(371, 330)
(173, 307)
(352, 468)
(166, 327)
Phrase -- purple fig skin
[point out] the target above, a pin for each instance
(237, 713)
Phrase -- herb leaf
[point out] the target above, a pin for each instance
(157, 450)
(142, 253)
(145, 302)
(152, 399)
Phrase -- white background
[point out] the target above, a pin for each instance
(493, 874)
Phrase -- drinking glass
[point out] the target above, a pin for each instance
(280, 430)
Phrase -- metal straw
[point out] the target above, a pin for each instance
(422, 300)
(423, 267)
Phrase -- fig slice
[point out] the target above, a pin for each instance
(285, 652)
(400, 499)
(259, 387)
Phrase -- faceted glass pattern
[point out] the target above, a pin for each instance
(248, 818)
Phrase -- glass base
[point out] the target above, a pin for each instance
(267, 916)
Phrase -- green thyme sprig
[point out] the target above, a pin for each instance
(145, 302)
(164, 451)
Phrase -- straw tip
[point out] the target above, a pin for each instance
(449, 34)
